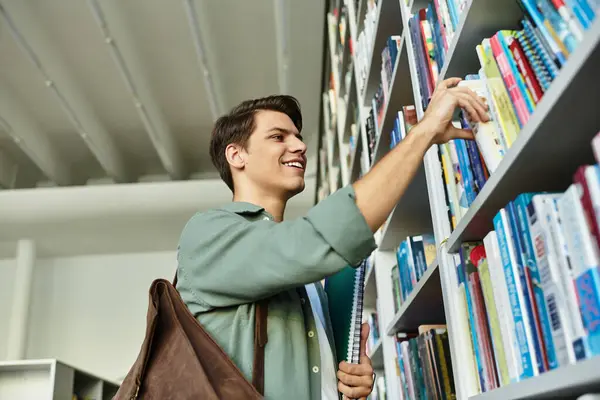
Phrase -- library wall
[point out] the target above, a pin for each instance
(8, 268)
(90, 311)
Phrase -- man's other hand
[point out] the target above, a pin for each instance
(355, 381)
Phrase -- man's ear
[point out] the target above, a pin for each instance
(236, 156)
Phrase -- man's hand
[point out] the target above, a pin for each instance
(355, 381)
(444, 101)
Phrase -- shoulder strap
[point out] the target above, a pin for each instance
(260, 341)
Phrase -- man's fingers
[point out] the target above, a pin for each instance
(456, 133)
(476, 110)
(353, 392)
(450, 82)
(466, 103)
(355, 380)
(478, 103)
(356, 369)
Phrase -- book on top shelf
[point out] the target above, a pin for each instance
(516, 68)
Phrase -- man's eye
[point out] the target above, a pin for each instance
(278, 137)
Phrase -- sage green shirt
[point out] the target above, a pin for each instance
(232, 256)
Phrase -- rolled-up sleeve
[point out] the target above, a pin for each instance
(225, 260)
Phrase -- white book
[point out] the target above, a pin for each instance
(583, 249)
(486, 134)
(596, 147)
(503, 307)
(592, 179)
(560, 252)
(557, 308)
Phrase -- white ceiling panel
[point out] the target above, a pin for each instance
(109, 137)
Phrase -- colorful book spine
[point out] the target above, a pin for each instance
(544, 331)
(539, 69)
(562, 255)
(529, 306)
(513, 283)
(556, 310)
(524, 68)
(585, 262)
(539, 49)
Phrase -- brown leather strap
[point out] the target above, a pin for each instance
(260, 341)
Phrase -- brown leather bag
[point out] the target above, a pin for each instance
(180, 360)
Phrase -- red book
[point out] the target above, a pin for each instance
(525, 69)
(586, 202)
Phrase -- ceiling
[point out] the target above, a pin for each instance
(106, 99)
(127, 90)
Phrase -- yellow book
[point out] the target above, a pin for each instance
(449, 180)
(490, 307)
(505, 112)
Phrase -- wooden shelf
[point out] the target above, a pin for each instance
(424, 305)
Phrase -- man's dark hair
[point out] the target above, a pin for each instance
(237, 126)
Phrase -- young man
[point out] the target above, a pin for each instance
(233, 256)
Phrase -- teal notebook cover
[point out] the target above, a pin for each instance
(345, 296)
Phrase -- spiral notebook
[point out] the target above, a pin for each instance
(345, 292)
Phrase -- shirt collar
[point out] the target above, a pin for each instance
(242, 207)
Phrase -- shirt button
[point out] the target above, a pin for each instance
(311, 334)
(266, 219)
(302, 300)
(315, 369)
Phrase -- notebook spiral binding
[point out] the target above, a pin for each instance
(353, 355)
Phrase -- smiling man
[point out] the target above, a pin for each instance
(231, 257)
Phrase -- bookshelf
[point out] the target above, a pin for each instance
(51, 379)
(548, 149)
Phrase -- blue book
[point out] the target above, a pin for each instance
(538, 19)
(465, 170)
(522, 203)
(509, 259)
(526, 290)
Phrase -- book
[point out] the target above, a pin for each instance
(345, 291)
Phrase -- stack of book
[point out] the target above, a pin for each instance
(517, 68)
(364, 43)
(424, 365)
(375, 117)
(431, 30)
(413, 255)
(530, 290)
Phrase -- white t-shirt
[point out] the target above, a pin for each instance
(329, 389)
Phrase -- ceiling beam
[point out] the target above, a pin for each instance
(198, 23)
(27, 31)
(8, 171)
(282, 36)
(122, 50)
(31, 139)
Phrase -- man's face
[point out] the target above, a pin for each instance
(276, 155)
